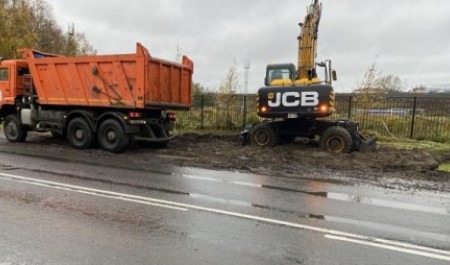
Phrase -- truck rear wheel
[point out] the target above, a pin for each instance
(112, 137)
(80, 134)
(13, 129)
(264, 135)
(336, 139)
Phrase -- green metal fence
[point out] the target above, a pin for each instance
(416, 116)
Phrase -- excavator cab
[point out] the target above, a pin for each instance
(280, 75)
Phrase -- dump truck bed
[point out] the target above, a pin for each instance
(135, 81)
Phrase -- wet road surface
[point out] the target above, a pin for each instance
(60, 206)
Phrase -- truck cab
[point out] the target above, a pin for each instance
(13, 82)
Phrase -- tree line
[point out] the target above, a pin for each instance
(30, 24)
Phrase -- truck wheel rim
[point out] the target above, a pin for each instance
(111, 136)
(11, 130)
(336, 144)
(79, 134)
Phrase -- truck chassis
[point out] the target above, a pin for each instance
(112, 129)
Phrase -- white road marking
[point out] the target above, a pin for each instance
(98, 193)
(376, 242)
(390, 247)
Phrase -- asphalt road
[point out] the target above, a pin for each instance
(59, 206)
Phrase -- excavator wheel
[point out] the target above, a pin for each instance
(264, 135)
(336, 139)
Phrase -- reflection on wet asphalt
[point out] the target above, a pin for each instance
(418, 218)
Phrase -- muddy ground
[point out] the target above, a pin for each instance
(385, 167)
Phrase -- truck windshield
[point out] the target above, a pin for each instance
(3, 74)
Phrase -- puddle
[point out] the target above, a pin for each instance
(240, 183)
(219, 200)
(332, 219)
(386, 203)
(367, 200)
(388, 228)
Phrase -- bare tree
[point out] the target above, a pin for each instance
(227, 97)
(372, 90)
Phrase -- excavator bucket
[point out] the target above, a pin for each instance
(367, 144)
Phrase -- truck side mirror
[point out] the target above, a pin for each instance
(334, 75)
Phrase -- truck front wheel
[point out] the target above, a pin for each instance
(336, 139)
(111, 136)
(80, 134)
(14, 132)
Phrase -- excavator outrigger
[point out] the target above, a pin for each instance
(295, 99)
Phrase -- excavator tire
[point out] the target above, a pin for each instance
(336, 139)
(264, 135)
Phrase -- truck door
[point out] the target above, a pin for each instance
(4, 82)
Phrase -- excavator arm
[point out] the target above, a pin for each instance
(307, 43)
(305, 73)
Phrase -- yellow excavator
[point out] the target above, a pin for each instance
(295, 99)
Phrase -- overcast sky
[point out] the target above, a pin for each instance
(406, 38)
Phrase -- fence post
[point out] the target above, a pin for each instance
(413, 121)
(350, 99)
(244, 119)
(202, 115)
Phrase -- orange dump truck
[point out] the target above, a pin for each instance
(110, 99)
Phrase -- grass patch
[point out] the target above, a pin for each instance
(409, 144)
(445, 167)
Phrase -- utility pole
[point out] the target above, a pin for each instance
(71, 30)
(179, 56)
(247, 66)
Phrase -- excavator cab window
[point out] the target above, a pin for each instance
(280, 72)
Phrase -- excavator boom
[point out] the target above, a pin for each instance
(307, 42)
